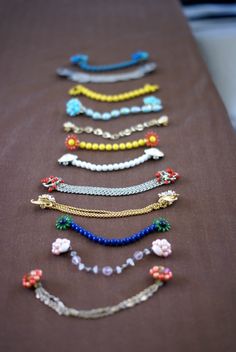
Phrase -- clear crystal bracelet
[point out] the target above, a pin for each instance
(150, 139)
(163, 177)
(32, 280)
(151, 104)
(82, 77)
(160, 247)
(81, 60)
(81, 90)
(165, 199)
(71, 159)
(159, 122)
(65, 222)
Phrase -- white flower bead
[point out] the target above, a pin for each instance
(162, 248)
(61, 245)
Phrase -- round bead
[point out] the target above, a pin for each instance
(115, 146)
(95, 146)
(129, 145)
(122, 146)
(108, 147)
(88, 146)
(102, 146)
(82, 145)
(135, 144)
(141, 142)
(107, 270)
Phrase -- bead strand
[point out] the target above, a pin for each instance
(71, 159)
(151, 104)
(82, 61)
(66, 222)
(81, 90)
(151, 139)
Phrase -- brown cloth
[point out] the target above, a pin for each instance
(194, 312)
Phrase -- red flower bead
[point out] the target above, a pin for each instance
(161, 273)
(31, 279)
(152, 139)
(72, 142)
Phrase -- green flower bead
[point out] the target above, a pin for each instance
(63, 222)
(162, 225)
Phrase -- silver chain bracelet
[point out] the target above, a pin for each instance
(71, 127)
(164, 177)
(81, 77)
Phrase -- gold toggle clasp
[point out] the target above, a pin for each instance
(44, 201)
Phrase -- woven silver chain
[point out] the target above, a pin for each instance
(57, 305)
(103, 191)
(71, 127)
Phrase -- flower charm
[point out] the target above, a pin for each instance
(51, 182)
(73, 107)
(63, 222)
(161, 273)
(151, 100)
(61, 245)
(162, 225)
(168, 176)
(162, 248)
(32, 278)
(152, 139)
(72, 142)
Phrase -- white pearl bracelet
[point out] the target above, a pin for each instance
(150, 153)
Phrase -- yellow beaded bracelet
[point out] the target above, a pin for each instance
(151, 139)
(79, 89)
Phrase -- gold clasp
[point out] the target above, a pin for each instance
(44, 201)
(169, 196)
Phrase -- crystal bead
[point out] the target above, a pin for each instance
(146, 251)
(138, 255)
(95, 269)
(118, 270)
(75, 260)
(81, 266)
(107, 270)
(73, 253)
(130, 261)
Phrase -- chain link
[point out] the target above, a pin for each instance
(70, 127)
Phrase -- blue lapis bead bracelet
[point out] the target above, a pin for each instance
(66, 222)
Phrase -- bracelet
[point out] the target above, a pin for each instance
(162, 248)
(82, 61)
(150, 139)
(81, 90)
(151, 104)
(71, 159)
(71, 127)
(164, 177)
(65, 222)
(33, 280)
(82, 77)
(165, 199)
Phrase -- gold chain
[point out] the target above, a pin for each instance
(79, 89)
(47, 201)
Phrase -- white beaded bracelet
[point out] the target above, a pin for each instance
(71, 159)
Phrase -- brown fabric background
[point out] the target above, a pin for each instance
(196, 310)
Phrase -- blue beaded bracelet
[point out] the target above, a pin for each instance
(81, 60)
(74, 107)
(66, 222)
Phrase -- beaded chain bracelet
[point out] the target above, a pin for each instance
(107, 78)
(82, 61)
(151, 104)
(65, 222)
(160, 122)
(165, 199)
(150, 139)
(71, 159)
(81, 90)
(32, 280)
(162, 248)
(164, 177)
